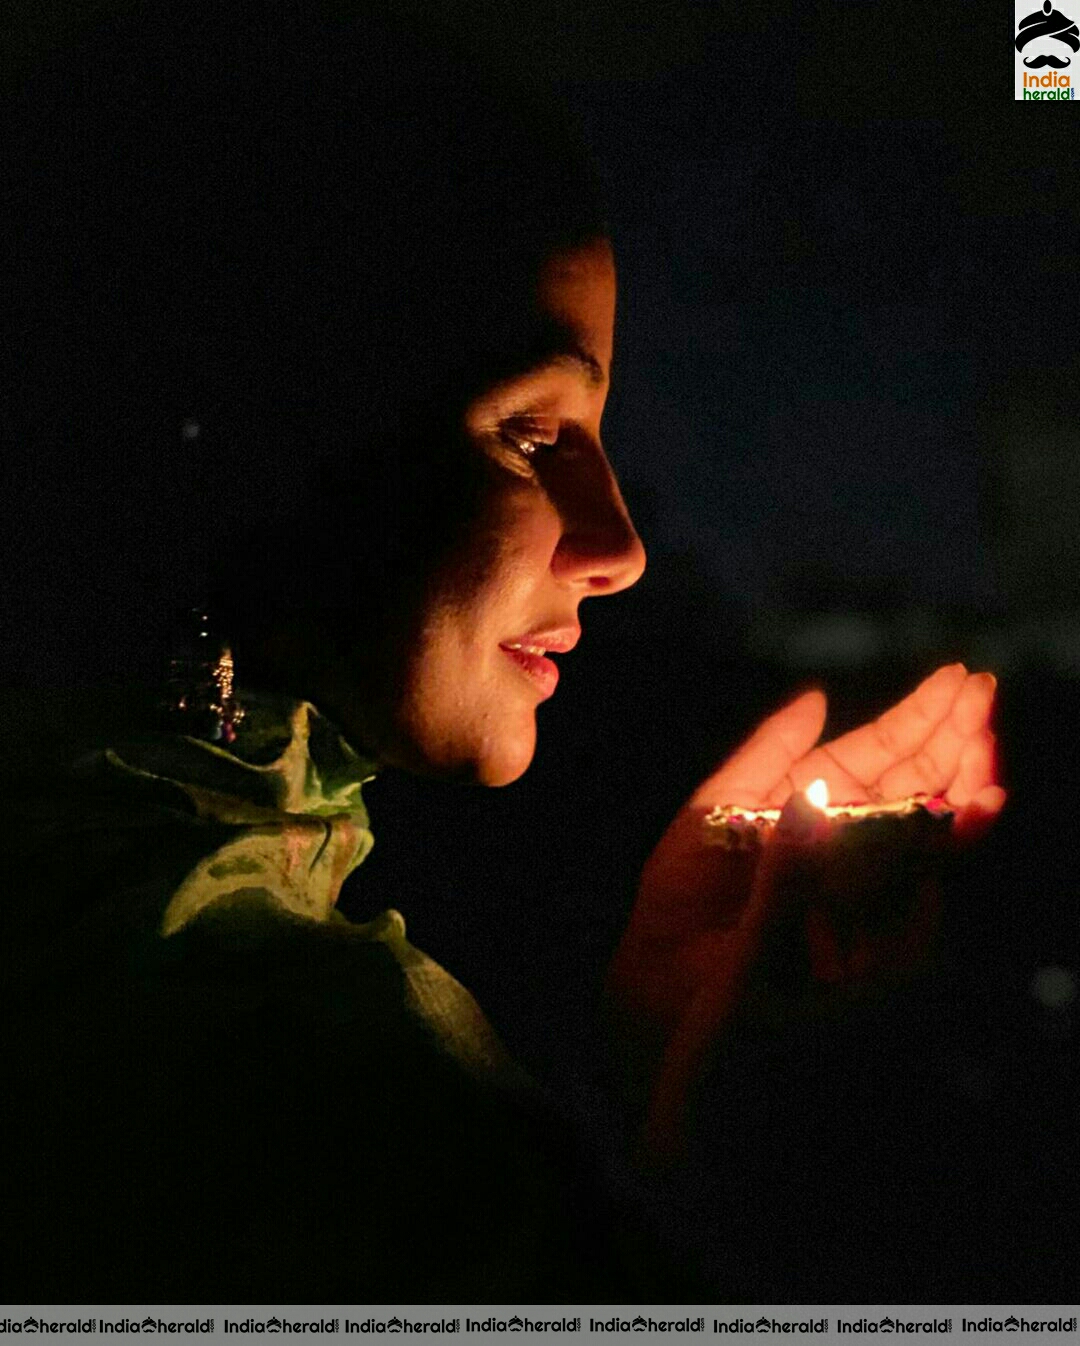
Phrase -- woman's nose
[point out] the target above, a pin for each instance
(599, 549)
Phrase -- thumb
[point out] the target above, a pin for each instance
(761, 764)
(978, 815)
(721, 960)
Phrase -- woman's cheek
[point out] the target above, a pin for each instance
(512, 550)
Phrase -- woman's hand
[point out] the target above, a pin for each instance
(701, 910)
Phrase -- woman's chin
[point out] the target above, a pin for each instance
(504, 760)
(493, 757)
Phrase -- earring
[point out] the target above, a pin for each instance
(200, 699)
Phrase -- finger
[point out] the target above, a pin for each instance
(934, 766)
(819, 764)
(714, 1001)
(978, 816)
(971, 713)
(929, 771)
(825, 962)
(868, 752)
(765, 759)
(975, 770)
(919, 934)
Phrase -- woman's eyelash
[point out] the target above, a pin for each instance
(527, 445)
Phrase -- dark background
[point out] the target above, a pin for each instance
(844, 414)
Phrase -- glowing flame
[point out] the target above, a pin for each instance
(817, 792)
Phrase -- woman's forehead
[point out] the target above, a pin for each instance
(551, 338)
(576, 301)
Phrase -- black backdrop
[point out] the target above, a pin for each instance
(844, 413)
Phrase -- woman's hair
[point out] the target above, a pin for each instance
(283, 252)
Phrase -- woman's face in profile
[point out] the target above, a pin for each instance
(548, 529)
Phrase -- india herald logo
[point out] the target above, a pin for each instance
(1046, 28)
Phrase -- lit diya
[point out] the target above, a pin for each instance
(877, 858)
(809, 815)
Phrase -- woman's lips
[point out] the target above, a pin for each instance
(528, 651)
(542, 672)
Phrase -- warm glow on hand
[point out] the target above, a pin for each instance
(702, 910)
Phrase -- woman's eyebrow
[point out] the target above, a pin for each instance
(560, 346)
(578, 358)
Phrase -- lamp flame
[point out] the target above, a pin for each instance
(817, 793)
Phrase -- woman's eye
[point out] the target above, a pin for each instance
(529, 444)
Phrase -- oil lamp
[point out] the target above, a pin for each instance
(863, 863)
(808, 814)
